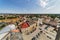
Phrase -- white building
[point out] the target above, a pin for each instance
(4, 33)
(40, 21)
(5, 36)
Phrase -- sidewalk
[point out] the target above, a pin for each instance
(43, 37)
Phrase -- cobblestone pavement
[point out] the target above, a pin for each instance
(16, 36)
(43, 37)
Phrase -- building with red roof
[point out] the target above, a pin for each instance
(24, 25)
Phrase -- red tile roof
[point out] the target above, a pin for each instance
(16, 30)
(24, 25)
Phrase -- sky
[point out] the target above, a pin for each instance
(29, 6)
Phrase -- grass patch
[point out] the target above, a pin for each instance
(1, 27)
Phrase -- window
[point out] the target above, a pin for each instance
(7, 38)
(37, 36)
(49, 37)
(33, 38)
(36, 24)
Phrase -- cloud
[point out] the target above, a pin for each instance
(46, 4)
(43, 3)
(50, 7)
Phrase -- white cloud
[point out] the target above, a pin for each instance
(43, 3)
(46, 4)
(50, 7)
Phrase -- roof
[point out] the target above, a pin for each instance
(24, 25)
(3, 34)
(52, 23)
(7, 28)
(16, 30)
(30, 22)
